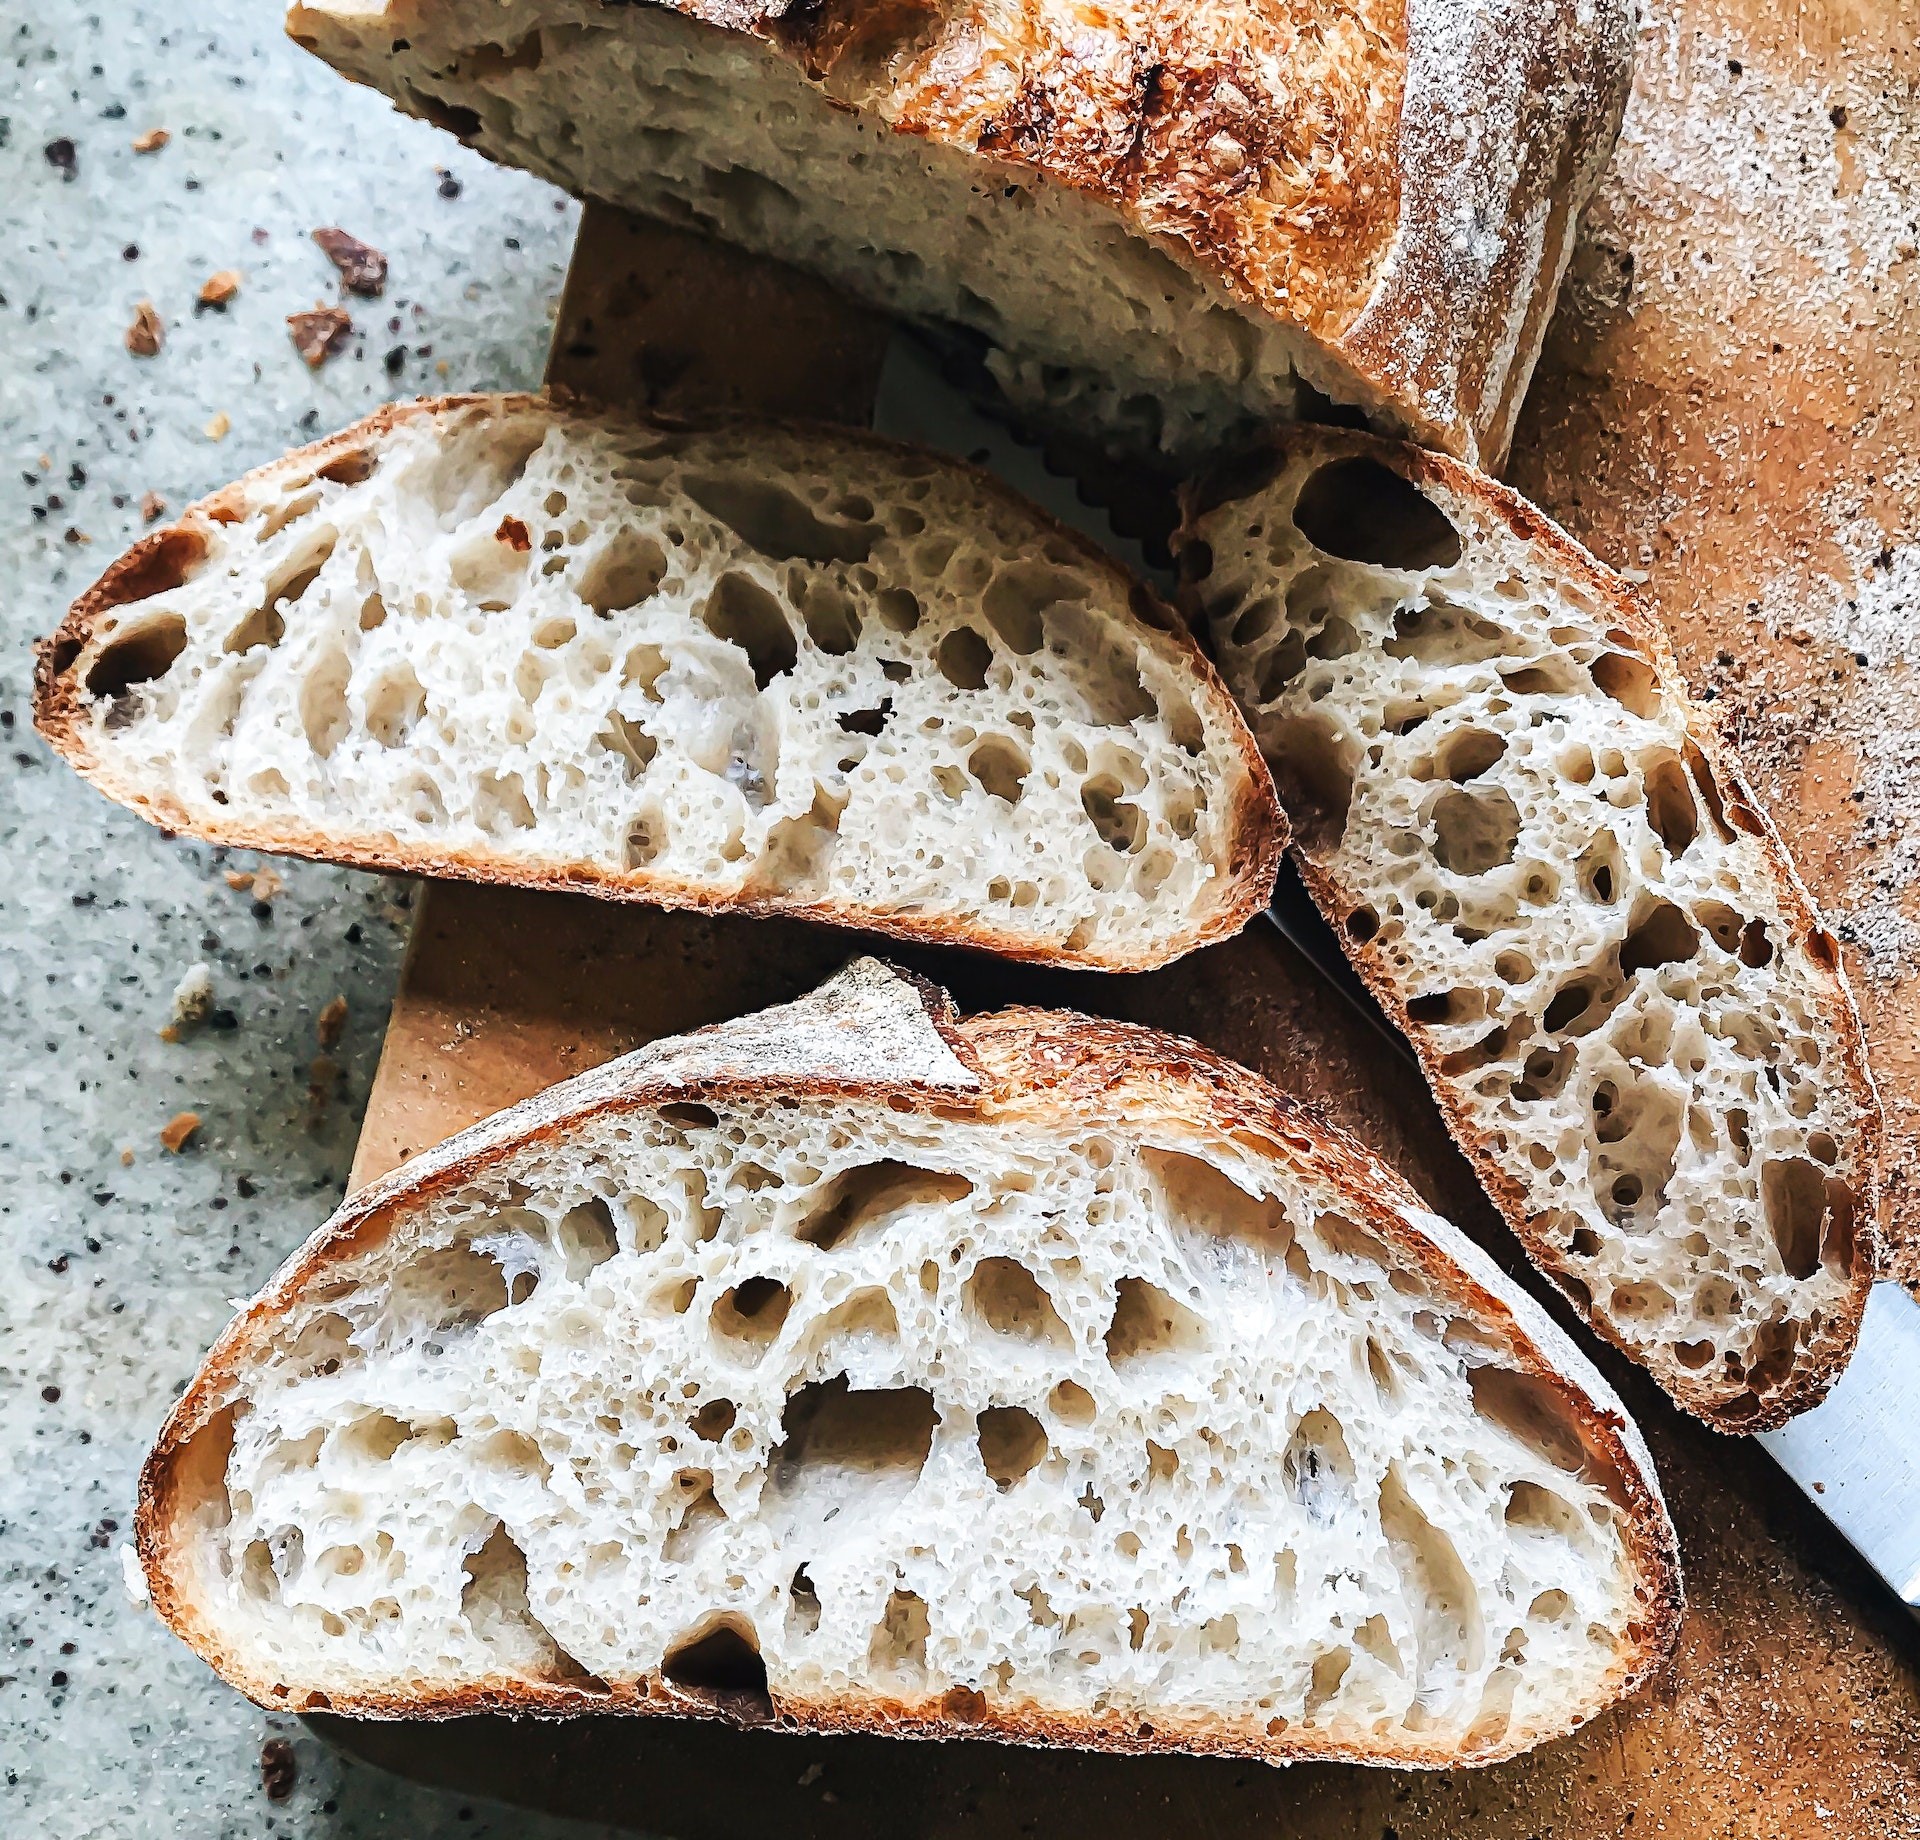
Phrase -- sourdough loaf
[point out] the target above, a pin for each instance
(1163, 219)
(1543, 859)
(1028, 1377)
(753, 666)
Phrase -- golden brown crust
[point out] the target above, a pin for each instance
(60, 713)
(1034, 1064)
(1397, 178)
(1826, 1354)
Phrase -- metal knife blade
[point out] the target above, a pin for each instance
(1857, 1454)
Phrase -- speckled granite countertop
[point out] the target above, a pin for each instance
(117, 1258)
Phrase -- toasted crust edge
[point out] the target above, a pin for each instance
(1818, 1366)
(1029, 1060)
(59, 714)
(1438, 352)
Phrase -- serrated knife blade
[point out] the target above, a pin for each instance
(1857, 1454)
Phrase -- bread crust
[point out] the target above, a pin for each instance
(1824, 1356)
(1017, 1064)
(1304, 161)
(60, 713)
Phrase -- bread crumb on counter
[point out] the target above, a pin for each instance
(363, 269)
(146, 335)
(193, 995)
(177, 1130)
(318, 334)
(332, 1022)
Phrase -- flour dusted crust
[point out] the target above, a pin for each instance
(1198, 207)
(748, 665)
(858, 1368)
(1546, 863)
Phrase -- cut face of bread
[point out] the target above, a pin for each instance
(1547, 866)
(756, 666)
(1030, 1377)
(1160, 219)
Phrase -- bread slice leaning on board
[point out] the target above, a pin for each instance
(1171, 220)
(1545, 862)
(861, 1368)
(755, 665)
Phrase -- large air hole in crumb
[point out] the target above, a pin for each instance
(324, 716)
(1599, 869)
(1448, 1620)
(1329, 1671)
(720, 1662)
(899, 609)
(1317, 1467)
(770, 519)
(1012, 1442)
(646, 838)
(1662, 935)
(1010, 1300)
(1475, 831)
(494, 1602)
(1569, 1003)
(449, 1288)
(837, 1445)
(963, 657)
(1629, 680)
(628, 742)
(1710, 795)
(1282, 664)
(1362, 511)
(586, 1237)
(1017, 597)
(1072, 1404)
(750, 1314)
(626, 572)
(1468, 754)
(1543, 1074)
(1794, 1194)
(266, 625)
(394, 705)
(501, 805)
(159, 564)
(690, 1115)
(1530, 1410)
(1147, 1323)
(744, 613)
(137, 655)
(874, 1195)
(1313, 767)
(1121, 824)
(1001, 767)
(1222, 1227)
(1670, 808)
(899, 1642)
(832, 621)
(1533, 1509)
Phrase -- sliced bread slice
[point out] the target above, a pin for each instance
(754, 665)
(850, 1366)
(1169, 221)
(1545, 862)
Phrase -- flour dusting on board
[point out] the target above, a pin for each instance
(1874, 615)
(1789, 194)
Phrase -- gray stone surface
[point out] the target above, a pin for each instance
(116, 1258)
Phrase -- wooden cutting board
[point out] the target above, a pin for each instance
(1672, 436)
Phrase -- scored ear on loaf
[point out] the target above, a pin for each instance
(860, 1368)
(751, 665)
(1545, 862)
(1167, 221)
